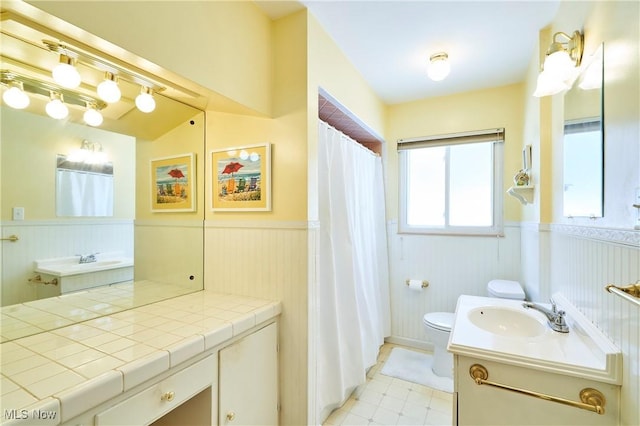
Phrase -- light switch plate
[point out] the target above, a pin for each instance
(18, 213)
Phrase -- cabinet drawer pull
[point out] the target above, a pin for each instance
(168, 396)
(231, 415)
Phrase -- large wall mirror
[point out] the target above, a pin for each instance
(583, 145)
(84, 230)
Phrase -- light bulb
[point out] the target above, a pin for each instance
(92, 116)
(145, 101)
(56, 107)
(15, 96)
(439, 67)
(65, 73)
(548, 84)
(108, 89)
(559, 64)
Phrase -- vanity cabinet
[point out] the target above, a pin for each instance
(488, 405)
(248, 380)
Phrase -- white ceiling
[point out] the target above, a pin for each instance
(489, 43)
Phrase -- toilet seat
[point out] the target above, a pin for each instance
(442, 321)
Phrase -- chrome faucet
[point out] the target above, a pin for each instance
(90, 258)
(555, 318)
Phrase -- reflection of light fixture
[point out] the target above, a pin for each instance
(89, 152)
(56, 107)
(31, 86)
(92, 116)
(108, 90)
(438, 66)
(560, 65)
(15, 97)
(145, 101)
(65, 73)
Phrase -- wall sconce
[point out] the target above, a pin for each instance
(89, 152)
(439, 66)
(561, 64)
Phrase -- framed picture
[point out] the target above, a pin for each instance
(173, 184)
(241, 178)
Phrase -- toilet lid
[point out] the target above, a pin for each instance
(439, 320)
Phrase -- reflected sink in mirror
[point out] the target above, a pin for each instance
(506, 321)
(71, 265)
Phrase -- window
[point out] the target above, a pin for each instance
(452, 184)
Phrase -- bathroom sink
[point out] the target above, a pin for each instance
(506, 321)
(65, 266)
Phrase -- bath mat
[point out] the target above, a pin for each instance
(415, 367)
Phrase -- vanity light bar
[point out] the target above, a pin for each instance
(102, 64)
(31, 85)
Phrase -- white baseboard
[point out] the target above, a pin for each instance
(412, 343)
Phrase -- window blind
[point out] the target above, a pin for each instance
(489, 135)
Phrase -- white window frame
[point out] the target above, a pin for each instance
(491, 135)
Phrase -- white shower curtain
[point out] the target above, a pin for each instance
(352, 295)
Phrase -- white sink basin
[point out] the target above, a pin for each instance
(506, 321)
(503, 331)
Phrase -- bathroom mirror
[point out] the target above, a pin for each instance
(583, 144)
(166, 248)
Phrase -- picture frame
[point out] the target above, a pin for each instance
(173, 183)
(241, 178)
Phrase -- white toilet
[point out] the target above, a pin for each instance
(438, 325)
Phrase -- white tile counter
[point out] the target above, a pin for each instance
(51, 377)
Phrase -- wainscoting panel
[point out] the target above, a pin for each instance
(582, 262)
(52, 239)
(453, 265)
(268, 260)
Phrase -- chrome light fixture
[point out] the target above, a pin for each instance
(561, 64)
(439, 66)
(15, 96)
(65, 73)
(108, 89)
(56, 107)
(145, 101)
(89, 153)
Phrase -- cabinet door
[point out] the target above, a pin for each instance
(248, 380)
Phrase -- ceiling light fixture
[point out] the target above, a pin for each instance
(145, 101)
(92, 116)
(65, 73)
(108, 89)
(15, 96)
(561, 64)
(439, 66)
(56, 107)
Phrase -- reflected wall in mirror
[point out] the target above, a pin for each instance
(583, 144)
(67, 267)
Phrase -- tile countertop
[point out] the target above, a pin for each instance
(62, 372)
(583, 352)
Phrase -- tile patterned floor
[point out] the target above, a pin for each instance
(385, 400)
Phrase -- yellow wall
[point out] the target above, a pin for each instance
(225, 46)
(479, 110)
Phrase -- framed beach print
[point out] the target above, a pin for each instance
(173, 182)
(241, 178)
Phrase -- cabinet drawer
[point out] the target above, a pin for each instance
(157, 400)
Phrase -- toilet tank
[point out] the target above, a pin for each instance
(505, 289)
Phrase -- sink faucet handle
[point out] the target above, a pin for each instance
(553, 305)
